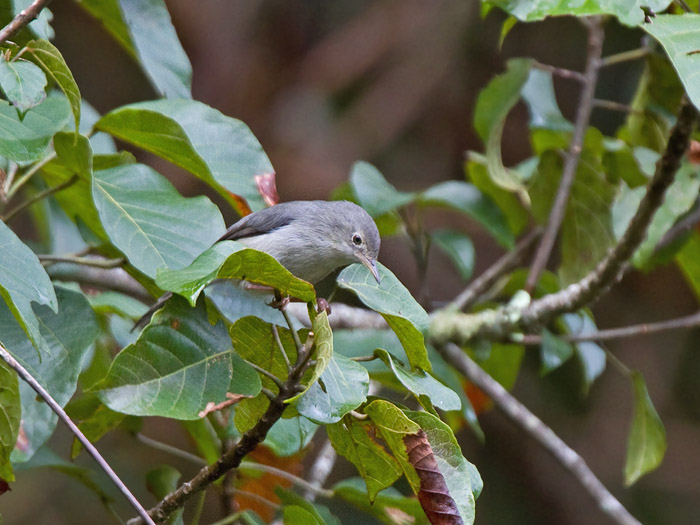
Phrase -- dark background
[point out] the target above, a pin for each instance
(323, 84)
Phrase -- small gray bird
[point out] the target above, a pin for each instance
(311, 239)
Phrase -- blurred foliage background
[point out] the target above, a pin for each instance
(394, 82)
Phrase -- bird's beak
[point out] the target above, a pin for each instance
(371, 265)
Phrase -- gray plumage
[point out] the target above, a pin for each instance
(309, 238)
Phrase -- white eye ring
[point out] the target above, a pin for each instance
(356, 239)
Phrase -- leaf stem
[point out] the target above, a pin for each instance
(300, 482)
(58, 410)
(41, 195)
(625, 56)
(29, 174)
(84, 261)
(164, 447)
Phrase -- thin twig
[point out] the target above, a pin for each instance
(93, 262)
(23, 19)
(260, 370)
(615, 106)
(583, 115)
(625, 56)
(164, 447)
(502, 266)
(115, 279)
(560, 72)
(295, 335)
(296, 480)
(689, 321)
(58, 410)
(545, 436)
(36, 198)
(278, 341)
(29, 174)
(256, 497)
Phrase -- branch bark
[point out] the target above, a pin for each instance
(536, 429)
(583, 116)
(23, 19)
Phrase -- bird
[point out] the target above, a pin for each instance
(311, 239)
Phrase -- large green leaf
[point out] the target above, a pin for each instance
(461, 477)
(629, 12)
(420, 383)
(646, 443)
(345, 387)
(680, 37)
(44, 54)
(392, 425)
(373, 192)
(323, 350)
(355, 441)
(23, 280)
(191, 280)
(391, 299)
(587, 231)
(466, 198)
(63, 347)
(26, 139)
(492, 107)
(150, 222)
(22, 82)
(385, 506)
(10, 413)
(179, 363)
(261, 268)
(220, 150)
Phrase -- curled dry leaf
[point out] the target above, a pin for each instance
(231, 399)
(267, 188)
(434, 496)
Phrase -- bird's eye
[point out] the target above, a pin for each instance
(356, 239)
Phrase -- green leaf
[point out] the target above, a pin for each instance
(45, 55)
(62, 349)
(75, 152)
(318, 514)
(157, 47)
(345, 387)
(160, 482)
(178, 364)
(96, 419)
(356, 441)
(688, 259)
(290, 436)
(150, 222)
(23, 280)
(587, 228)
(22, 82)
(466, 198)
(404, 315)
(26, 140)
(477, 172)
(680, 38)
(218, 149)
(385, 505)
(492, 107)
(458, 247)
(629, 12)
(646, 443)
(538, 94)
(191, 280)
(679, 199)
(503, 363)
(323, 343)
(10, 414)
(373, 192)
(205, 438)
(393, 425)
(554, 352)
(620, 162)
(296, 515)
(232, 302)
(591, 356)
(117, 303)
(420, 383)
(462, 478)
(258, 267)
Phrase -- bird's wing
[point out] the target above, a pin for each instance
(259, 223)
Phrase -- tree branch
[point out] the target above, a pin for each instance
(560, 72)
(22, 19)
(115, 279)
(583, 116)
(58, 410)
(536, 429)
(689, 321)
(498, 324)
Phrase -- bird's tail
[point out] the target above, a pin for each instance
(145, 318)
